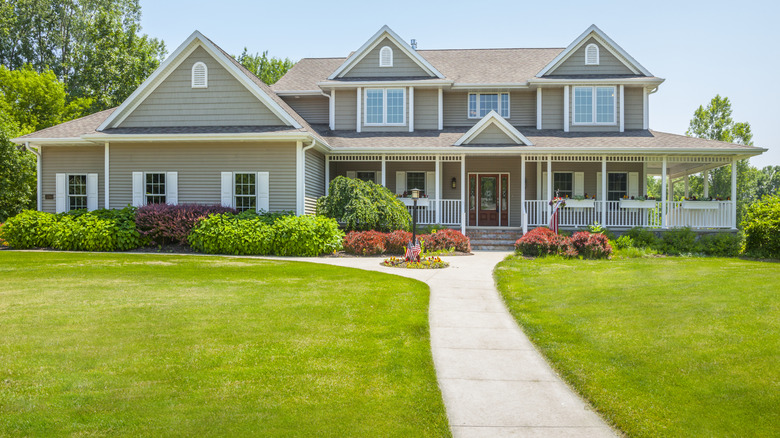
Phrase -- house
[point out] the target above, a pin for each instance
(487, 135)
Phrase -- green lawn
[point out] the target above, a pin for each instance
(151, 345)
(675, 347)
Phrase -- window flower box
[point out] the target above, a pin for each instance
(421, 202)
(635, 203)
(580, 203)
(700, 205)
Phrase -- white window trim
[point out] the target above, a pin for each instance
(143, 181)
(67, 190)
(593, 107)
(572, 179)
(598, 54)
(206, 75)
(508, 110)
(390, 49)
(257, 189)
(384, 107)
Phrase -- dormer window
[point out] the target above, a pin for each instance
(592, 54)
(200, 75)
(386, 57)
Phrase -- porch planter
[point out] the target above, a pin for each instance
(422, 202)
(635, 203)
(700, 205)
(580, 203)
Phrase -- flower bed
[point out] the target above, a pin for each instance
(424, 263)
(375, 243)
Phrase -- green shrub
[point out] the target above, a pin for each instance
(597, 228)
(634, 252)
(762, 228)
(678, 241)
(363, 205)
(623, 242)
(721, 244)
(642, 237)
(28, 229)
(306, 236)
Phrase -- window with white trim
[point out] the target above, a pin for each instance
(481, 104)
(245, 191)
(200, 75)
(154, 192)
(563, 184)
(77, 192)
(594, 105)
(385, 106)
(415, 180)
(592, 54)
(617, 185)
(386, 57)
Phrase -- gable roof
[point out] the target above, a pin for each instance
(385, 31)
(257, 88)
(606, 41)
(493, 119)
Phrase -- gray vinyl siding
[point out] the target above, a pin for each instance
(403, 65)
(492, 135)
(199, 167)
(552, 108)
(594, 128)
(575, 64)
(456, 109)
(314, 109)
(73, 160)
(346, 110)
(226, 101)
(634, 108)
(315, 179)
(522, 108)
(426, 109)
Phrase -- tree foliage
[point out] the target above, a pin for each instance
(363, 205)
(17, 169)
(268, 69)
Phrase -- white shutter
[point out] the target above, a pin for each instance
(400, 182)
(351, 174)
(172, 188)
(138, 189)
(61, 192)
(633, 184)
(263, 191)
(579, 183)
(430, 184)
(599, 189)
(92, 191)
(227, 189)
(544, 186)
(378, 177)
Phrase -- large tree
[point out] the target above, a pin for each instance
(268, 69)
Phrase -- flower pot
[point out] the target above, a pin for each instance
(580, 203)
(700, 205)
(635, 203)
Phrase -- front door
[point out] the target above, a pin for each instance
(489, 200)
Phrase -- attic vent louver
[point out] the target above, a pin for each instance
(592, 54)
(200, 75)
(386, 57)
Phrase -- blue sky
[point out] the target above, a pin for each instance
(700, 48)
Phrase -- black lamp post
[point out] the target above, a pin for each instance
(415, 197)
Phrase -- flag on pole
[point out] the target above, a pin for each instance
(413, 252)
(556, 204)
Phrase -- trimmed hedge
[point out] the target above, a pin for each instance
(363, 205)
(164, 223)
(543, 241)
(366, 242)
(762, 228)
(374, 242)
(591, 245)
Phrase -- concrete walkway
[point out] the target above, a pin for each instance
(493, 381)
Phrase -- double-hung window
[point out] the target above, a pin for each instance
(385, 106)
(366, 176)
(563, 184)
(77, 192)
(617, 185)
(245, 190)
(594, 106)
(155, 188)
(415, 180)
(482, 103)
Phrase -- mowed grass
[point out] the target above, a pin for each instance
(676, 347)
(151, 345)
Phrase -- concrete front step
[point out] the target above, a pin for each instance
(493, 239)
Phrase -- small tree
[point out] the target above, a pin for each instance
(762, 228)
(363, 205)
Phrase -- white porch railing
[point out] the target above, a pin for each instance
(450, 211)
(678, 215)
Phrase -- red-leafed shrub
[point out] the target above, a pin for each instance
(591, 246)
(446, 239)
(164, 223)
(396, 241)
(365, 242)
(542, 241)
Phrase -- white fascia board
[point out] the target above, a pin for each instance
(65, 141)
(299, 93)
(373, 41)
(654, 82)
(606, 41)
(113, 138)
(504, 150)
(507, 85)
(172, 62)
(493, 118)
(386, 84)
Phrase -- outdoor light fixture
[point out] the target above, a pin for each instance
(415, 193)
(454, 183)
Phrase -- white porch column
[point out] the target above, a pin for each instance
(706, 180)
(664, 219)
(384, 171)
(645, 110)
(411, 109)
(538, 108)
(327, 174)
(622, 109)
(105, 175)
(332, 110)
(441, 109)
(549, 186)
(438, 188)
(687, 186)
(603, 191)
(566, 109)
(733, 193)
(359, 110)
(523, 213)
(463, 203)
(299, 178)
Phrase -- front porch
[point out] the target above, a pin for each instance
(513, 191)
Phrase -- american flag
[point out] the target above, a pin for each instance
(554, 218)
(413, 252)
